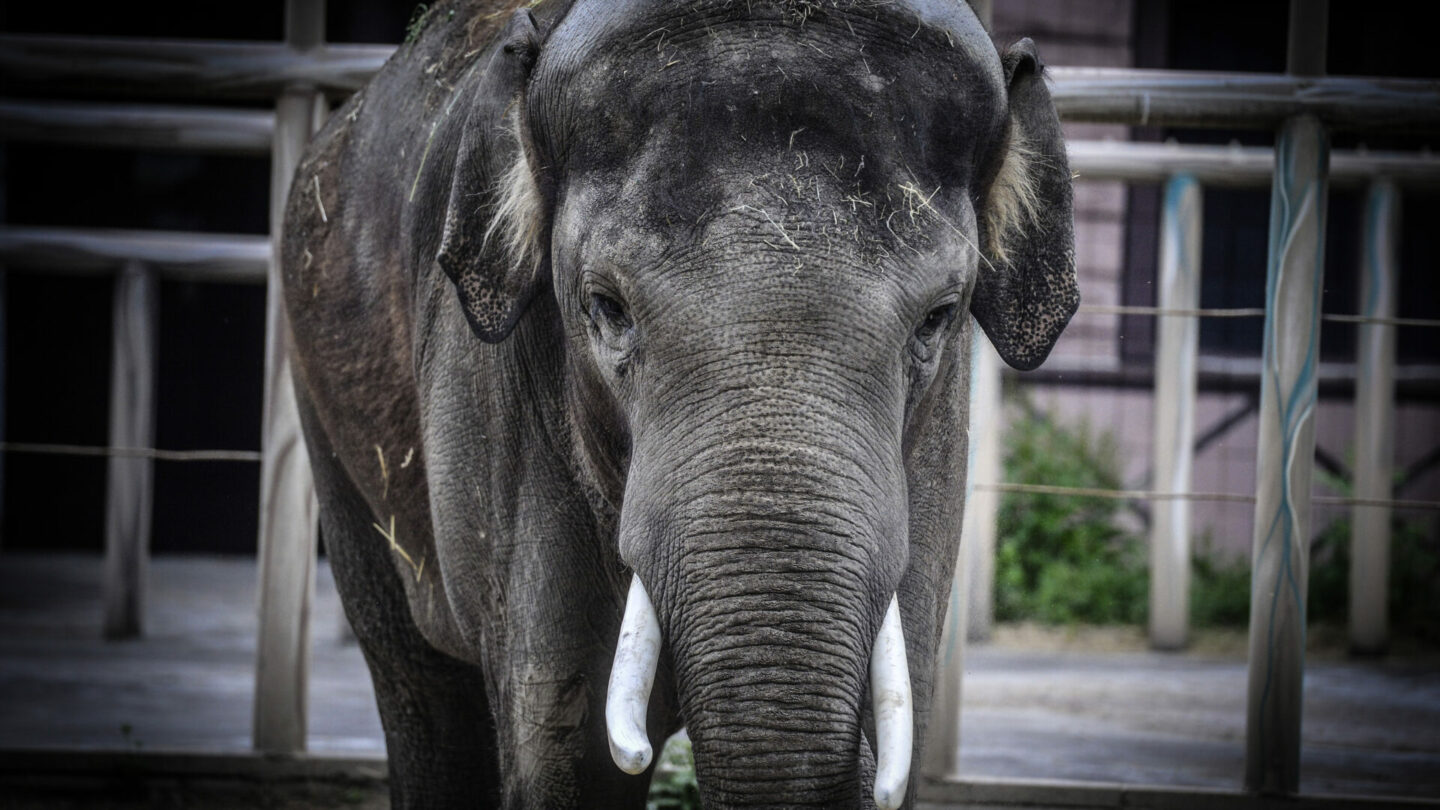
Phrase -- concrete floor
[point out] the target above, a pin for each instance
(1031, 711)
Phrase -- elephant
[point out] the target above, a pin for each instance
(629, 340)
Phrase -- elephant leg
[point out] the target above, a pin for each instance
(439, 730)
(551, 707)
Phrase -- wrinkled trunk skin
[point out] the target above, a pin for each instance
(776, 684)
(777, 554)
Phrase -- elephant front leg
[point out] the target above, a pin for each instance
(553, 744)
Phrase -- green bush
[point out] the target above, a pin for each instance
(1067, 560)
(1414, 598)
(1219, 589)
(673, 786)
(1061, 559)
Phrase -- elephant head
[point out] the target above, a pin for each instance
(761, 223)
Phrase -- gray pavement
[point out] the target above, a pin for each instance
(1029, 713)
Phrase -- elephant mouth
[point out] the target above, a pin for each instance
(637, 654)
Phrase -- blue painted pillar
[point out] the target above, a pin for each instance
(1286, 449)
(1374, 422)
(1177, 342)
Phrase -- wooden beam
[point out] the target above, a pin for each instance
(1017, 793)
(187, 256)
(139, 126)
(1177, 344)
(129, 495)
(982, 508)
(1171, 98)
(1285, 459)
(4, 282)
(1374, 422)
(110, 66)
(288, 511)
(942, 743)
(1285, 454)
(1239, 166)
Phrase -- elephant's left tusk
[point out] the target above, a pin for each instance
(890, 700)
(631, 676)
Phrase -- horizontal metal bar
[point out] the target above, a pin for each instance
(1108, 95)
(137, 126)
(1245, 166)
(1242, 100)
(210, 68)
(128, 452)
(191, 256)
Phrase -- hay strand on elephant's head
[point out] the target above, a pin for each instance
(518, 215)
(1014, 199)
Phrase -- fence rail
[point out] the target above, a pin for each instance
(188, 256)
(255, 70)
(211, 69)
(295, 76)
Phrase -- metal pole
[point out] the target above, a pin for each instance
(129, 495)
(287, 494)
(1374, 422)
(1176, 350)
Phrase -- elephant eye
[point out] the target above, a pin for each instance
(935, 321)
(606, 311)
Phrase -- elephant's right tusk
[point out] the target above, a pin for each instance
(631, 676)
(890, 700)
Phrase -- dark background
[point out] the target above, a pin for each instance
(57, 328)
(1379, 38)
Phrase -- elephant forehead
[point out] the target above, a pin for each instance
(881, 78)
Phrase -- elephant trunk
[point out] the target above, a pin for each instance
(773, 618)
(772, 690)
(766, 513)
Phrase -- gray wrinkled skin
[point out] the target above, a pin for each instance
(736, 368)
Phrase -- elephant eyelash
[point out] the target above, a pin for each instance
(936, 320)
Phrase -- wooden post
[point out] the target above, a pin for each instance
(1280, 568)
(287, 494)
(1374, 423)
(1281, 559)
(982, 509)
(1176, 350)
(128, 488)
(942, 753)
(977, 542)
(2, 389)
(942, 745)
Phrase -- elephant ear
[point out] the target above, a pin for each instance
(492, 243)
(1026, 291)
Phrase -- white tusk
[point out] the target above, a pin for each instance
(631, 677)
(890, 700)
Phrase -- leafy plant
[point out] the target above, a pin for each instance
(1062, 559)
(1219, 588)
(673, 786)
(1414, 588)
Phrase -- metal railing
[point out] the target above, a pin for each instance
(300, 72)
